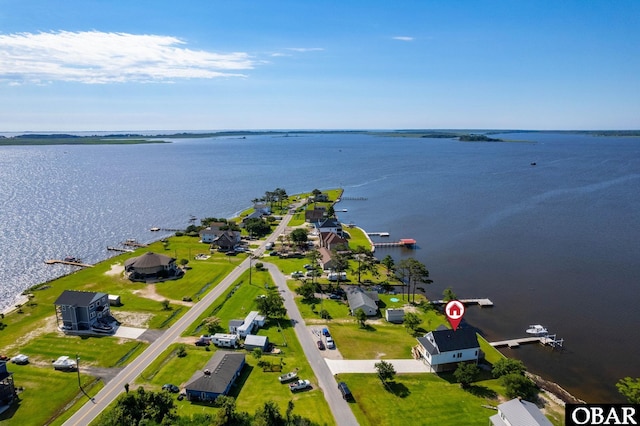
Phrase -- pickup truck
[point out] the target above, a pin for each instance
(299, 385)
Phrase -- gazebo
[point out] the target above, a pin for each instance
(152, 265)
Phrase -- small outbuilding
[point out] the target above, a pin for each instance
(394, 315)
(114, 300)
(253, 341)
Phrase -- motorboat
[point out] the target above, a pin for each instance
(537, 330)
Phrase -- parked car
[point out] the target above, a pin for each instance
(20, 359)
(268, 246)
(335, 296)
(320, 345)
(297, 274)
(344, 390)
(330, 343)
(307, 266)
(171, 388)
(325, 332)
(203, 342)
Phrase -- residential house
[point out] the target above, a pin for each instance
(326, 261)
(212, 232)
(253, 341)
(7, 388)
(321, 198)
(225, 340)
(333, 241)
(216, 378)
(227, 240)
(360, 299)
(444, 348)
(519, 412)
(262, 208)
(83, 310)
(330, 224)
(152, 266)
(251, 323)
(315, 215)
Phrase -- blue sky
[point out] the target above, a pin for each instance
(213, 65)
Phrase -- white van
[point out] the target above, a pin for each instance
(269, 246)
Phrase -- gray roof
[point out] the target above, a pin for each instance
(236, 323)
(446, 340)
(79, 298)
(149, 260)
(222, 367)
(358, 298)
(521, 413)
(254, 340)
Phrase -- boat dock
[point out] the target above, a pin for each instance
(405, 242)
(66, 262)
(132, 243)
(482, 302)
(378, 234)
(548, 340)
(119, 249)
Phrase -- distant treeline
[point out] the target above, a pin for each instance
(478, 138)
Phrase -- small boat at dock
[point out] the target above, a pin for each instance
(537, 330)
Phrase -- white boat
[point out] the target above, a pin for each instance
(289, 376)
(537, 330)
(65, 363)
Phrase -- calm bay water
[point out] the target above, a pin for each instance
(555, 243)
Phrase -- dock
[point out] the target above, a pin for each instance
(65, 262)
(405, 242)
(132, 243)
(548, 340)
(122, 249)
(378, 234)
(484, 303)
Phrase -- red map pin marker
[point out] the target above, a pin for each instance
(454, 311)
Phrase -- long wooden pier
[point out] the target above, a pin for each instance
(405, 242)
(482, 302)
(548, 340)
(122, 249)
(65, 262)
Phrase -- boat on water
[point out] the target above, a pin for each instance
(537, 330)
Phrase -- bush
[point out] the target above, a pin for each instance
(181, 352)
(517, 385)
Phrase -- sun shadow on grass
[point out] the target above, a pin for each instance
(398, 389)
(482, 391)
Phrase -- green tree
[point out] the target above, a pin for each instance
(412, 272)
(331, 212)
(630, 389)
(508, 366)
(272, 305)
(361, 316)
(307, 291)
(448, 295)
(166, 305)
(227, 415)
(411, 322)
(257, 353)
(466, 373)
(386, 371)
(299, 237)
(365, 262)
(181, 352)
(212, 324)
(257, 227)
(268, 415)
(388, 263)
(517, 385)
(140, 407)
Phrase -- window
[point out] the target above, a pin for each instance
(98, 303)
(92, 315)
(64, 308)
(91, 306)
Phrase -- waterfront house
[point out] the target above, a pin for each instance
(519, 412)
(7, 388)
(314, 215)
(217, 376)
(226, 240)
(212, 232)
(262, 208)
(360, 299)
(444, 348)
(326, 261)
(247, 326)
(152, 266)
(330, 224)
(333, 241)
(83, 311)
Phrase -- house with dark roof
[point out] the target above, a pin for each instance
(216, 378)
(360, 299)
(443, 348)
(83, 311)
(330, 224)
(314, 215)
(212, 232)
(152, 266)
(519, 412)
(326, 262)
(333, 241)
(7, 388)
(226, 240)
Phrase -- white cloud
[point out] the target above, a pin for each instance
(97, 57)
(305, 49)
(402, 38)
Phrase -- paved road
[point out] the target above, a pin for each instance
(113, 388)
(339, 407)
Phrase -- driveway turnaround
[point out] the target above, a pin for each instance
(338, 366)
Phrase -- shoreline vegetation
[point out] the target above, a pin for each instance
(36, 139)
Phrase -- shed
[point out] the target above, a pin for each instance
(114, 300)
(394, 315)
(253, 341)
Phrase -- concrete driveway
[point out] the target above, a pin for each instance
(338, 366)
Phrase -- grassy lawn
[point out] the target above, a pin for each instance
(419, 399)
(357, 237)
(46, 393)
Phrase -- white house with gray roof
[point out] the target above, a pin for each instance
(519, 412)
(444, 348)
(360, 299)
